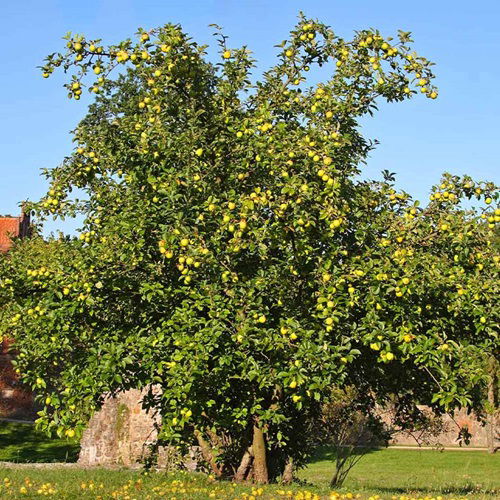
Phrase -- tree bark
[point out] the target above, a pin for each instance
(245, 463)
(492, 407)
(206, 451)
(288, 472)
(249, 477)
(260, 473)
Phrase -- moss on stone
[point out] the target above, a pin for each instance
(122, 417)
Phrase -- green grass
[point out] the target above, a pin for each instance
(125, 484)
(393, 472)
(387, 473)
(21, 443)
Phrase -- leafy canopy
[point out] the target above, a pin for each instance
(231, 257)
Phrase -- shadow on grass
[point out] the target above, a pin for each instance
(22, 443)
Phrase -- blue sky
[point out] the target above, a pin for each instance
(459, 132)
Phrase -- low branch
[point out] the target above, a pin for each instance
(207, 453)
(241, 473)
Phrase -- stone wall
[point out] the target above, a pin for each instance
(120, 433)
(449, 435)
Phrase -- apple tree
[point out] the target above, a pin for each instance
(231, 258)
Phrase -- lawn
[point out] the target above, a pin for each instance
(395, 471)
(22, 443)
(390, 473)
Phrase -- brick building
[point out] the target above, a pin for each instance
(14, 400)
(13, 227)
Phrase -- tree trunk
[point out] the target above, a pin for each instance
(288, 472)
(246, 461)
(249, 477)
(260, 473)
(492, 407)
(335, 480)
(206, 451)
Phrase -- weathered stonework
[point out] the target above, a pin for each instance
(120, 433)
(449, 434)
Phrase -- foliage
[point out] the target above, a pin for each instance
(232, 259)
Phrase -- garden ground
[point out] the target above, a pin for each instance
(389, 473)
